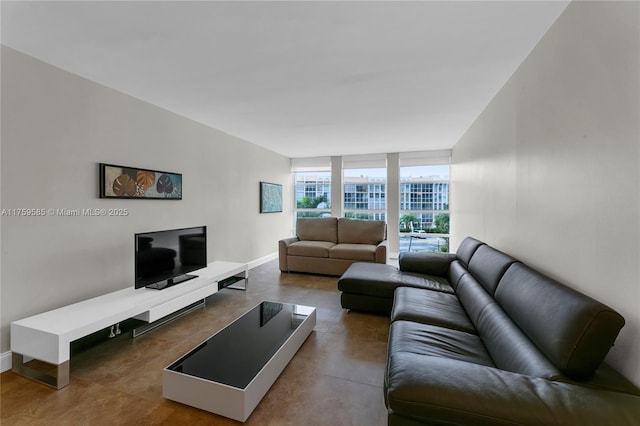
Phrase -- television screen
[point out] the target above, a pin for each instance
(165, 258)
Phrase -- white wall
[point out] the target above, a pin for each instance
(550, 171)
(56, 128)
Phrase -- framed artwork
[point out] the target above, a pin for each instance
(131, 182)
(270, 197)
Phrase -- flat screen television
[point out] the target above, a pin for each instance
(165, 258)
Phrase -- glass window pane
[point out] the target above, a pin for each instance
(365, 215)
(424, 208)
(365, 190)
(312, 177)
(312, 190)
(427, 243)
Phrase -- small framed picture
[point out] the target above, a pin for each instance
(270, 197)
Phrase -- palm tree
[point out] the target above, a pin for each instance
(407, 221)
(442, 223)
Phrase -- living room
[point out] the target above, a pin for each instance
(547, 171)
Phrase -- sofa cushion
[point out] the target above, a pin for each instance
(430, 307)
(574, 331)
(430, 340)
(310, 248)
(427, 282)
(353, 231)
(432, 390)
(357, 252)
(488, 265)
(317, 229)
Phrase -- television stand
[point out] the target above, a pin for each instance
(231, 283)
(145, 328)
(47, 336)
(161, 285)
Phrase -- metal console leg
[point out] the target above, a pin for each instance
(239, 287)
(60, 380)
(234, 280)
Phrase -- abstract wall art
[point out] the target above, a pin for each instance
(270, 197)
(132, 182)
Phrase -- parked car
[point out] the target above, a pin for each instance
(419, 231)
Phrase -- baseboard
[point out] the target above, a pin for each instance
(5, 361)
(263, 260)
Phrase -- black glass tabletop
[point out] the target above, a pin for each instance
(236, 354)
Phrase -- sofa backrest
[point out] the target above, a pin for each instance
(488, 265)
(473, 297)
(317, 229)
(455, 272)
(467, 247)
(508, 346)
(354, 231)
(574, 331)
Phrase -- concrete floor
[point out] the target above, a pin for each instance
(335, 379)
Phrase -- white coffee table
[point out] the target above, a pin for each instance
(230, 372)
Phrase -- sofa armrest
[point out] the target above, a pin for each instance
(382, 252)
(282, 252)
(426, 263)
(441, 390)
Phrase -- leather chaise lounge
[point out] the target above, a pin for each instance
(479, 338)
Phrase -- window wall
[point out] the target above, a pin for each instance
(312, 187)
(365, 193)
(364, 186)
(312, 194)
(424, 208)
(410, 191)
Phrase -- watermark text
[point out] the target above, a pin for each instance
(63, 212)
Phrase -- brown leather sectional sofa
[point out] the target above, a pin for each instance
(330, 245)
(479, 338)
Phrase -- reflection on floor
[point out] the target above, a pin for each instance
(335, 378)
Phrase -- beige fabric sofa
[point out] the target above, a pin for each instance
(330, 245)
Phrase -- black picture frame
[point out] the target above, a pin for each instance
(270, 197)
(124, 182)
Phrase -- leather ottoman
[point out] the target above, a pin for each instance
(369, 287)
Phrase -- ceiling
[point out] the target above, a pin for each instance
(301, 78)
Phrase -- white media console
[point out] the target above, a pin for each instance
(47, 336)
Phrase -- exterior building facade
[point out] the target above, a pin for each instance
(365, 198)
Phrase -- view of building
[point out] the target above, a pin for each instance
(424, 201)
